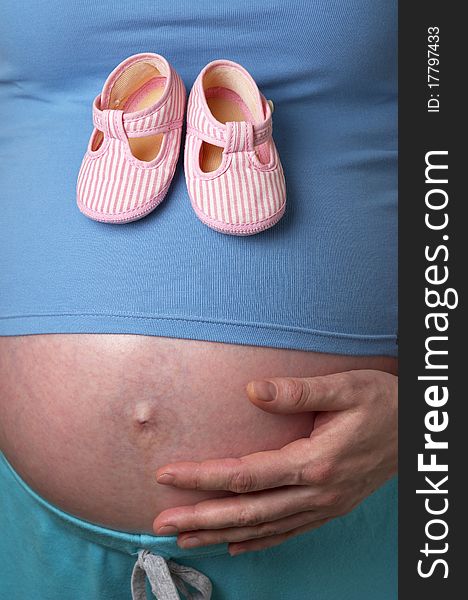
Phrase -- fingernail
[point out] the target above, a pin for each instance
(165, 478)
(190, 542)
(167, 530)
(236, 551)
(263, 390)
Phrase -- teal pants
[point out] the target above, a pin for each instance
(46, 554)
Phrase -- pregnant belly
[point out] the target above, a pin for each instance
(87, 419)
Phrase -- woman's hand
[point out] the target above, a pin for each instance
(350, 453)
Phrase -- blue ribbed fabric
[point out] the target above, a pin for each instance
(323, 279)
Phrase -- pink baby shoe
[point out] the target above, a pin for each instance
(232, 167)
(133, 150)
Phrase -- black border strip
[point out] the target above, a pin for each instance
(421, 132)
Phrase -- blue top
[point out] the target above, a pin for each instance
(323, 279)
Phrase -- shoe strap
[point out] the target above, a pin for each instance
(111, 124)
(236, 136)
(239, 137)
(163, 118)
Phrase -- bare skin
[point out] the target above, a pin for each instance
(87, 420)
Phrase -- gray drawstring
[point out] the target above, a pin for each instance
(166, 577)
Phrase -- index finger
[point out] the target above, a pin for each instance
(254, 472)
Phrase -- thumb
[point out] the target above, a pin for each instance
(339, 391)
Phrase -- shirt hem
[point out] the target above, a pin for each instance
(197, 328)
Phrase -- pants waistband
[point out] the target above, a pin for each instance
(124, 541)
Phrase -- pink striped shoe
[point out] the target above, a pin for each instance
(232, 168)
(133, 150)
